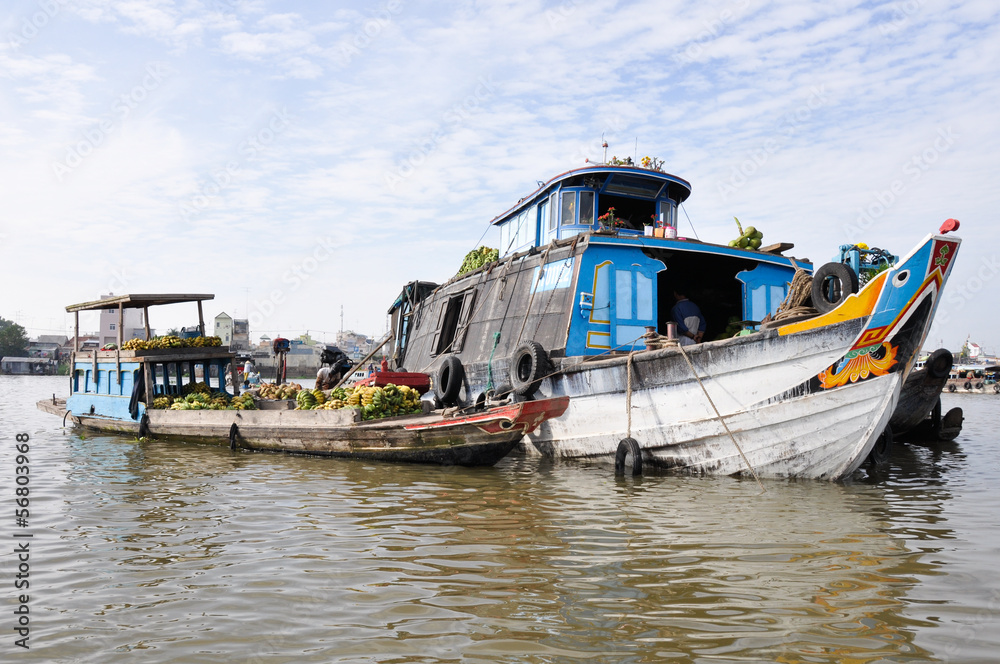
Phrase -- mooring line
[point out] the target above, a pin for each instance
(719, 416)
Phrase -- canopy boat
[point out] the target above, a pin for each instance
(580, 307)
(113, 390)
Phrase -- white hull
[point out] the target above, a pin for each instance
(826, 434)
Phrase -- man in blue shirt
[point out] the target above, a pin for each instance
(690, 321)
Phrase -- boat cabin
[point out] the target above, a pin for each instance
(589, 264)
(636, 259)
(119, 383)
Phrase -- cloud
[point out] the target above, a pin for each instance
(396, 149)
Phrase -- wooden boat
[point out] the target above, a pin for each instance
(918, 411)
(109, 393)
(575, 309)
(478, 438)
(973, 379)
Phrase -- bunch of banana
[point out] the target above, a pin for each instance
(243, 402)
(750, 238)
(199, 387)
(305, 400)
(161, 403)
(135, 344)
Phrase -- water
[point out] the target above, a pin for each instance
(167, 552)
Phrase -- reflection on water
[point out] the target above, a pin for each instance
(194, 553)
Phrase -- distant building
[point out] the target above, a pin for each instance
(224, 328)
(27, 366)
(133, 324)
(241, 335)
(354, 345)
(48, 346)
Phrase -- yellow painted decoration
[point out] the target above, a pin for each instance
(861, 366)
(856, 306)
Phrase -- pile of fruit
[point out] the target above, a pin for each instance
(205, 401)
(750, 237)
(275, 391)
(477, 258)
(375, 402)
(171, 341)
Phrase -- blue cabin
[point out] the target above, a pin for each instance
(634, 259)
(118, 383)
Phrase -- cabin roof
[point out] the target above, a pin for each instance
(134, 301)
(680, 187)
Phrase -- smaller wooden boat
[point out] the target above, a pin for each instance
(444, 437)
(114, 391)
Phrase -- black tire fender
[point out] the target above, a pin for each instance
(996, 388)
(628, 448)
(528, 366)
(448, 380)
(951, 387)
(968, 385)
(882, 450)
(979, 385)
(831, 285)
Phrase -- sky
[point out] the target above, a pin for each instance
(303, 160)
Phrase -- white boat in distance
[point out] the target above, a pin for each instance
(564, 312)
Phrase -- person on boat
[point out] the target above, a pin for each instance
(690, 321)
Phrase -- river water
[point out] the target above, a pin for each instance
(173, 552)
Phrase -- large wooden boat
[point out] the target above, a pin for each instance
(572, 308)
(112, 390)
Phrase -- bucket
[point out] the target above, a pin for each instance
(670, 232)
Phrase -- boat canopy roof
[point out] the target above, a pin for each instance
(134, 301)
(630, 181)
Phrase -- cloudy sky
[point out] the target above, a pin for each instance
(299, 159)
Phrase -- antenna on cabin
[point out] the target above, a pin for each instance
(604, 144)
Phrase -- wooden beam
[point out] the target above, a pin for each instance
(145, 318)
(76, 334)
(234, 376)
(121, 320)
(201, 319)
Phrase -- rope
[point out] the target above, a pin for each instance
(534, 289)
(721, 420)
(628, 395)
(489, 367)
(799, 292)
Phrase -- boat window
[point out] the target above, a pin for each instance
(623, 293)
(453, 323)
(568, 208)
(505, 237)
(530, 226)
(643, 296)
(550, 220)
(587, 208)
(668, 213)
